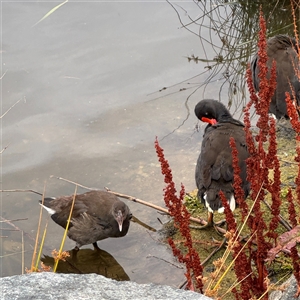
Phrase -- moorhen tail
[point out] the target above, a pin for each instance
(96, 215)
(214, 171)
(284, 50)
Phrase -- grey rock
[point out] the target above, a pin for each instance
(47, 285)
(288, 293)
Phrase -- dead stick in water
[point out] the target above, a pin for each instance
(20, 191)
(164, 210)
(16, 227)
(133, 199)
(25, 219)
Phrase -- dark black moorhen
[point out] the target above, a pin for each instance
(214, 171)
(283, 49)
(97, 215)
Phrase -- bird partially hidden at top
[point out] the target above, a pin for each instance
(96, 215)
(285, 52)
(214, 170)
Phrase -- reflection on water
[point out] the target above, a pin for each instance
(86, 261)
(89, 76)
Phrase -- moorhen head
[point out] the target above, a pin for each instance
(96, 215)
(214, 171)
(284, 50)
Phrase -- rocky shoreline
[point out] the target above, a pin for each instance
(49, 286)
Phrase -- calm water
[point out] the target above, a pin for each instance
(87, 79)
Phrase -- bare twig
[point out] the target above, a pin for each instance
(159, 208)
(20, 191)
(23, 251)
(3, 75)
(205, 261)
(10, 108)
(282, 221)
(289, 162)
(4, 149)
(133, 199)
(16, 227)
(6, 221)
(136, 220)
(73, 182)
(168, 262)
(11, 254)
(37, 233)
(8, 229)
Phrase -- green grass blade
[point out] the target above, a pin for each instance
(33, 269)
(41, 246)
(65, 233)
(50, 12)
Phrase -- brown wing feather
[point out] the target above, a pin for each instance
(214, 170)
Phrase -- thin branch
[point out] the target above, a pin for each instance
(20, 191)
(23, 252)
(289, 162)
(4, 149)
(282, 221)
(159, 208)
(168, 262)
(16, 227)
(14, 220)
(10, 108)
(136, 220)
(8, 229)
(11, 254)
(133, 199)
(73, 182)
(3, 75)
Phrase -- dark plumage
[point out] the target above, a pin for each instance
(283, 49)
(97, 215)
(214, 171)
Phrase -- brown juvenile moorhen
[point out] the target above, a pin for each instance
(214, 171)
(97, 215)
(283, 49)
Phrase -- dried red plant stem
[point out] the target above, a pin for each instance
(294, 118)
(237, 181)
(272, 162)
(261, 255)
(181, 217)
(296, 266)
(241, 265)
(260, 163)
(293, 114)
(294, 5)
(291, 209)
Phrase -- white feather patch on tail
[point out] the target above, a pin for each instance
(207, 204)
(232, 204)
(49, 210)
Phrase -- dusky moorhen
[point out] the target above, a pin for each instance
(97, 215)
(283, 49)
(214, 171)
